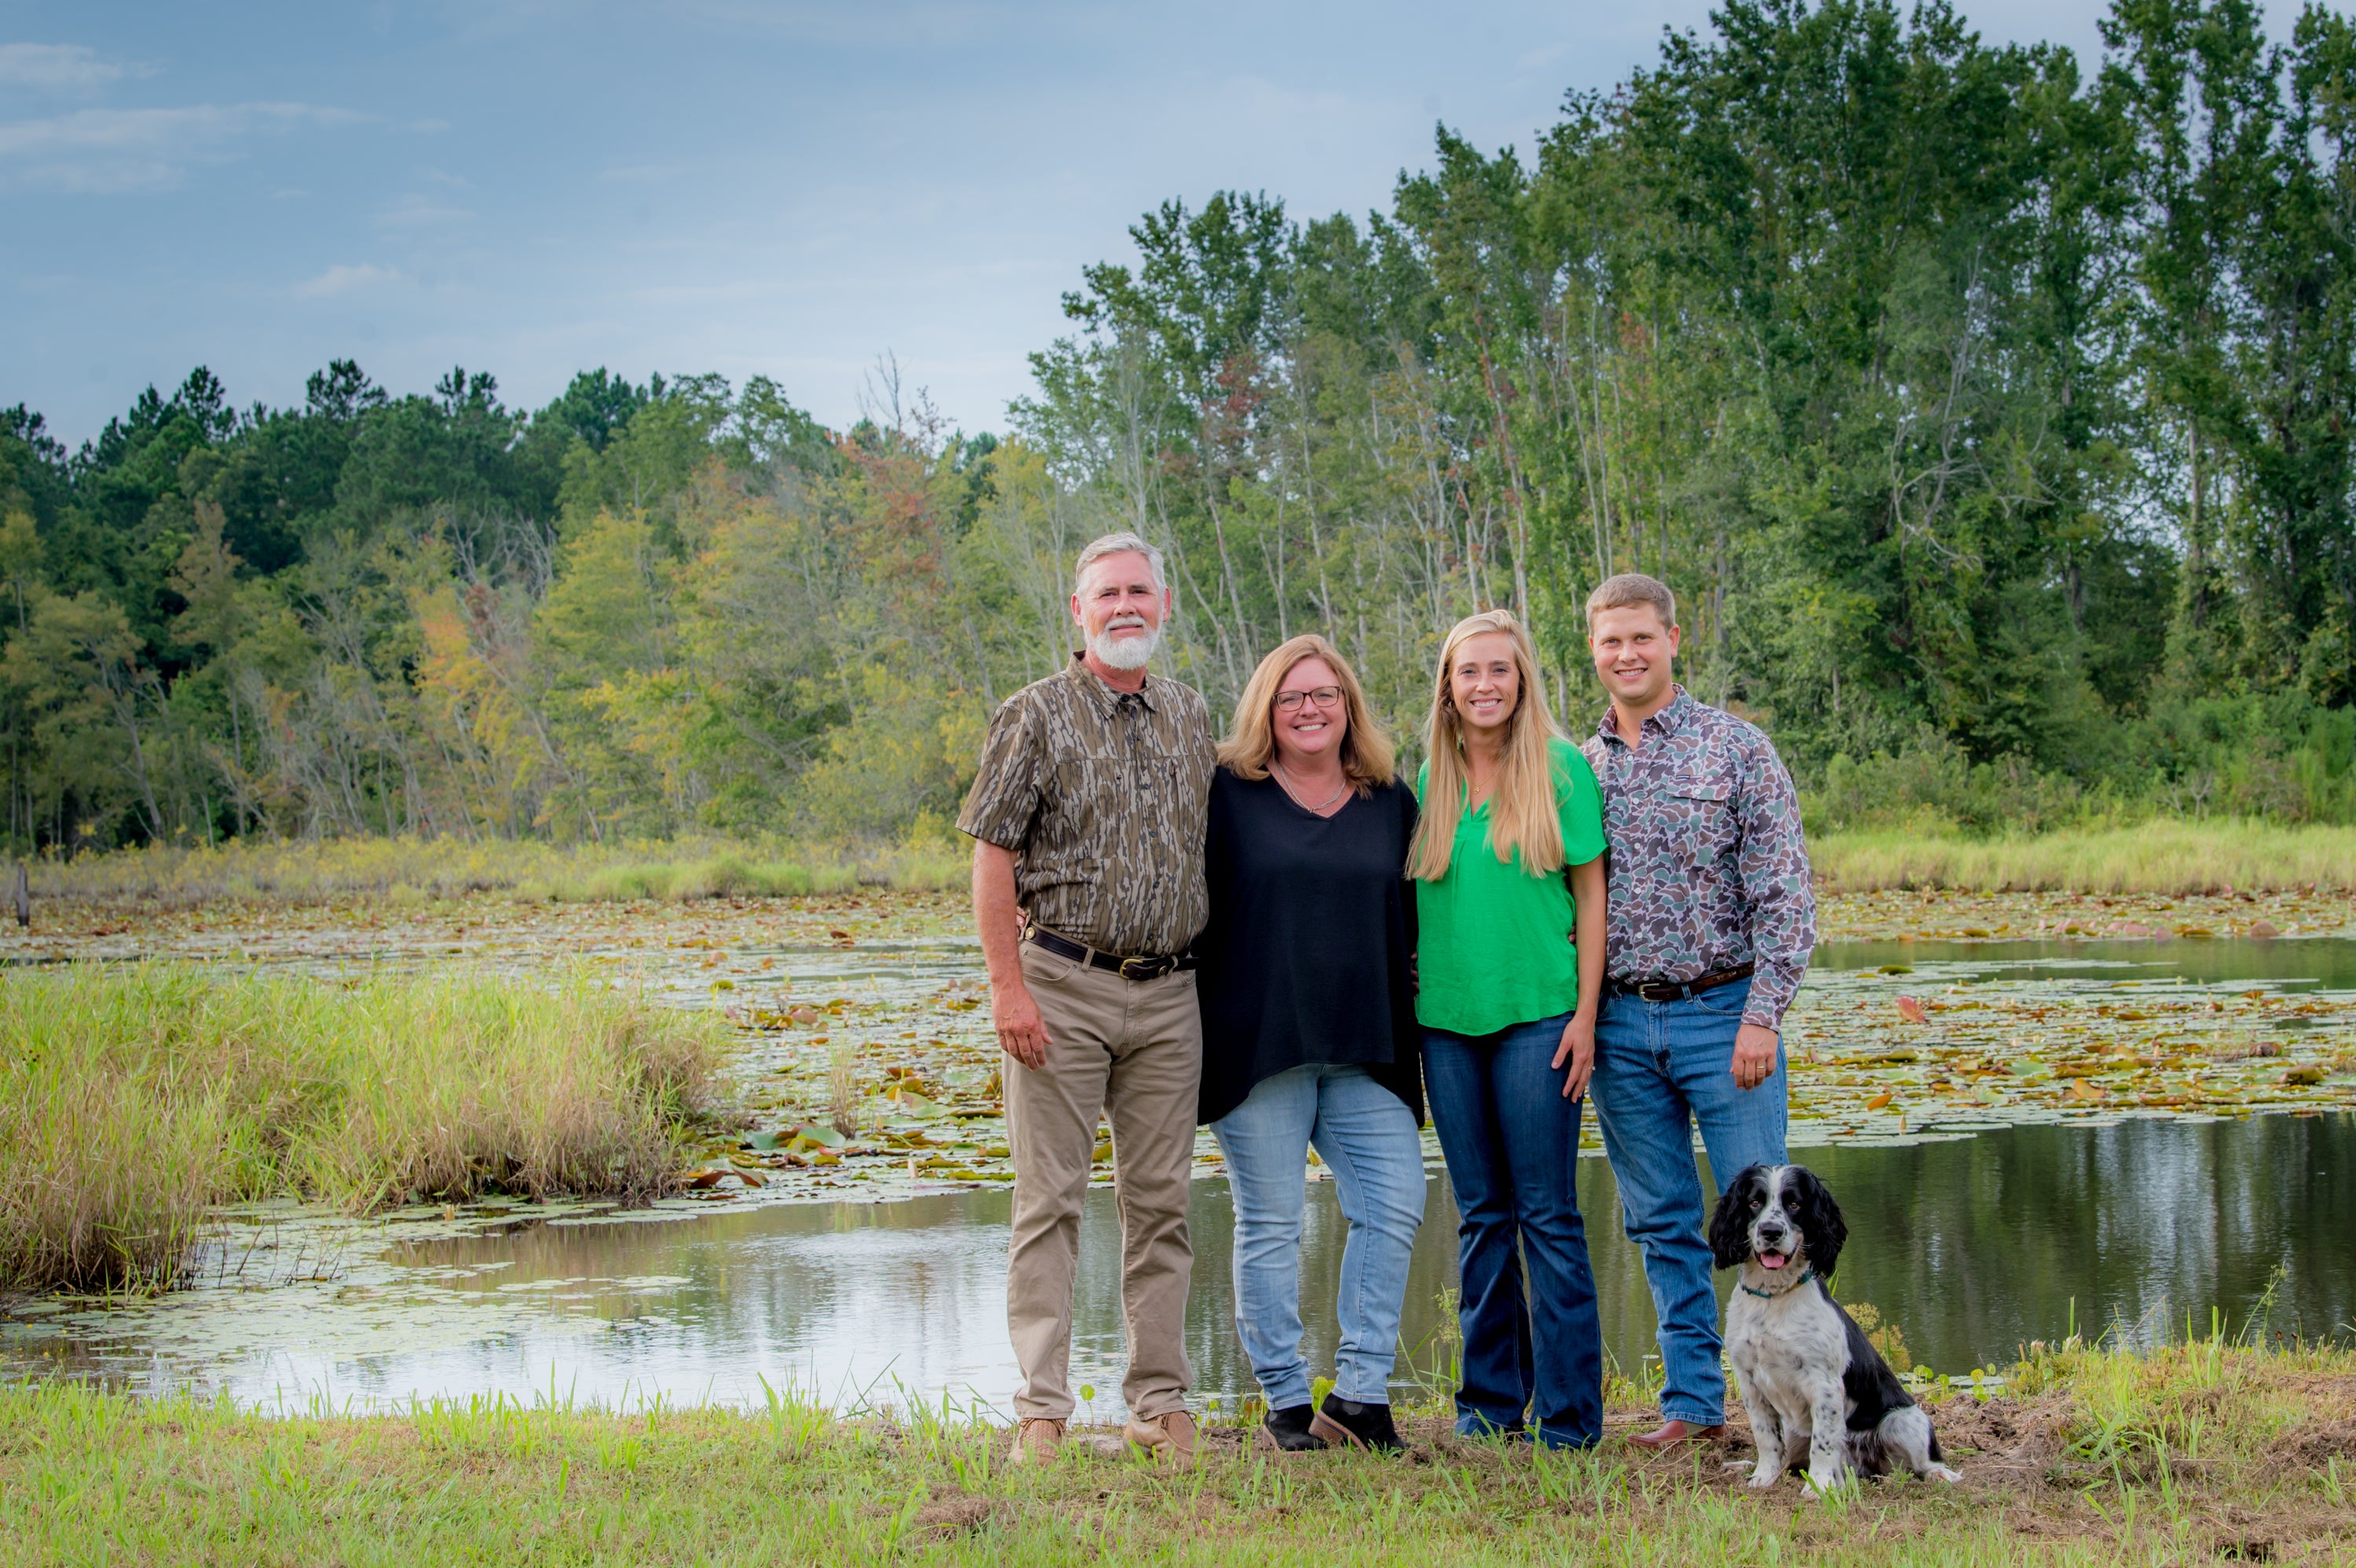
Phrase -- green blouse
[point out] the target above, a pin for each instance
(1494, 947)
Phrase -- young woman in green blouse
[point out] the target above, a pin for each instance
(1510, 954)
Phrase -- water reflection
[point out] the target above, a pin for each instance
(1981, 1245)
(1974, 1246)
(2301, 964)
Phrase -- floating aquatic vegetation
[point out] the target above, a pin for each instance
(866, 1064)
(2048, 1038)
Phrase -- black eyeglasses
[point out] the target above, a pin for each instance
(1323, 696)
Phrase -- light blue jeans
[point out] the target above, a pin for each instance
(1660, 1068)
(1367, 1137)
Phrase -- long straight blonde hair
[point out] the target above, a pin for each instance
(1252, 739)
(1521, 810)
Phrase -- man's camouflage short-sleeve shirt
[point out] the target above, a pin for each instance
(1103, 797)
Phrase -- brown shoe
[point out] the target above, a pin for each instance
(1037, 1440)
(1675, 1432)
(1169, 1437)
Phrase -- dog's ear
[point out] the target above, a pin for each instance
(1729, 1227)
(1820, 1222)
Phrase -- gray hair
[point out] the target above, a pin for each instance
(1631, 588)
(1122, 543)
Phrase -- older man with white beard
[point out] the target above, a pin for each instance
(1087, 817)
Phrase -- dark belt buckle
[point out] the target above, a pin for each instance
(1146, 968)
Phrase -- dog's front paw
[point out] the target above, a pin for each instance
(1822, 1487)
(1761, 1479)
(1942, 1473)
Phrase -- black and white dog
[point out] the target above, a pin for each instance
(1815, 1387)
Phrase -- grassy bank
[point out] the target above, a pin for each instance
(2192, 1454)
(2161, 856)
(409, 871)
(2164, 856)
(132, 1099)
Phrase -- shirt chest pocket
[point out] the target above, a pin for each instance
(1702, 816)
(1132, 798)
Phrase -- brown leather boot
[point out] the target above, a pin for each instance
(1037, 1440)
(1674, 1432)
(1169, 1437)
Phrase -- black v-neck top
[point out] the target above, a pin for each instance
(1313, 925)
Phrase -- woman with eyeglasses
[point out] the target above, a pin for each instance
(1309, 1038)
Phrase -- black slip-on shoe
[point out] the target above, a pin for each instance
(1347, 1423)
(1288, 1429)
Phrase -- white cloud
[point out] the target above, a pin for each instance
(113, 149)
(56, 68)
(342, 280)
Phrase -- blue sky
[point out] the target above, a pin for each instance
(535, 187)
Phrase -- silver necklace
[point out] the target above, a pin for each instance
(1317, 810)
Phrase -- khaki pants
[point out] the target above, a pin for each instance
(1132, 1050)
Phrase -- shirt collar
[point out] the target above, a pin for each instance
(1108, 701)
(1668, 721)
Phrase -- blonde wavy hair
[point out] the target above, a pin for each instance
(1366, 752)
(1522, 811)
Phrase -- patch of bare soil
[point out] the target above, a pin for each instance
(2005, 1441)
(2318, 1443)
(952, 1513)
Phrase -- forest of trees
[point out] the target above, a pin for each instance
(1989, 410)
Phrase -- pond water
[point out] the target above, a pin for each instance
(1972, 1245)
(1982, 1215)
(2303, 963)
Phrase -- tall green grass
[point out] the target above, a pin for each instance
(407, 871)
(2172, 857)
(133, 1099)
(2164, 855)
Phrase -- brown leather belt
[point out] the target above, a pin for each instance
(1135, 966)
(1678, 990)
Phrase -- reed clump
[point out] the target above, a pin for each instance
(133, 1099)
(2162, 856)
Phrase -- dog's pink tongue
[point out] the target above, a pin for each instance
(1772, 1260)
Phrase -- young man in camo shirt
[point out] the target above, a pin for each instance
(1087, 817)
(1711, 918)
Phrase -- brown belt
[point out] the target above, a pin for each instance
(1137, 966)
(1678, 990)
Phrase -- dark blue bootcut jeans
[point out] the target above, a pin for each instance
(1511, 1144)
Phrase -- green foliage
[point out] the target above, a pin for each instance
(1989, 410)
(638, 611)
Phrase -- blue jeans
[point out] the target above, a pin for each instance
(1660, 1068)
(1511, 1144)
(1367, 1136)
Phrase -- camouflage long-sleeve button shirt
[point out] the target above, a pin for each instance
(1103, 796)
(1708, 867)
